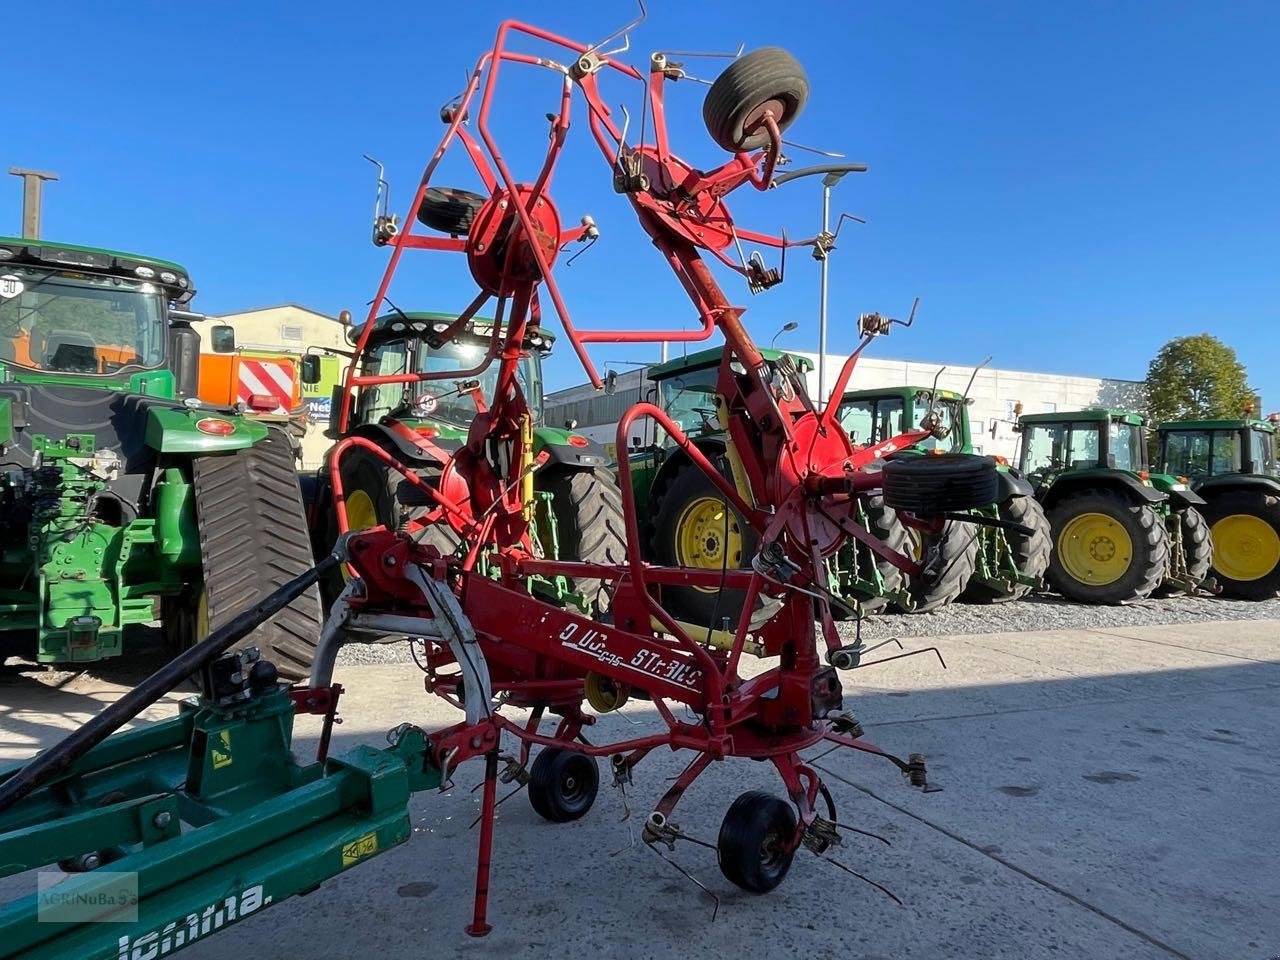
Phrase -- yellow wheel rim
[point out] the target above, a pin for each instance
(701, 539)
(1245, 547)
(361, 515)
(202, 615)
(1095, 549)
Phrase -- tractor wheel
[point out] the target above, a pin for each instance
(562, 784)
(694, 527)
(1107, 549)
(589, 525)
(253, 540)
(376, 495)
(950, 557)
(1197, 549)
(884, 524)
(1246, 543)
(449, 210)
(1030, 553)
(754, 846)
(764, 79)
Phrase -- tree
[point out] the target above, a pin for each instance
(1197, 378)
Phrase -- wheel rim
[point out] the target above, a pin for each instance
(773, 852)
(1095, 549)
(1245, 547)
(361, 515)
(701, 541)
(573, 787)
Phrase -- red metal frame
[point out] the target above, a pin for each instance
(802, 471)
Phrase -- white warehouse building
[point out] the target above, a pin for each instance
(994, 394)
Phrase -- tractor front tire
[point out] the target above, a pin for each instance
(1245, 526)
(589, 525)
(253, 540)
(1107, 548)
(952, 565)
(1030, 553)
(695, 526)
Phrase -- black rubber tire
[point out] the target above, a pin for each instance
(1030, 553)
(563, 784)
(884, 524)
(753, 835)
(1146, 531)
(958, 556)
(1197, 549)
(761, 76)
(254, 539)
(1257, 503)
(391, 495)
(589, 524)
(449, 210)
(686, 484)
(935, 484)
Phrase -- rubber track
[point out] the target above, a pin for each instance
(253, 539)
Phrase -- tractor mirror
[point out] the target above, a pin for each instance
(309, 371)
(1017, 409)
(611, 383)
(223, 338)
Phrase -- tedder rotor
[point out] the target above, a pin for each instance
(492, 643)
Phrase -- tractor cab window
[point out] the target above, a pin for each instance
(689, 399)
(1227, 454)
(1187, 453)
(444, 400)
(1084, 452)
(1262, 452)
(871, 421)
(1044, 448)
(75, 323)
(1124, 446)
(376, 402)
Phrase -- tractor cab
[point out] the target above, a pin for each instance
(1053, 443)
(870, 416)
(1204, 450)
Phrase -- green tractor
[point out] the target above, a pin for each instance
(1231, 464)
(122, 498)
(578, 508)
(979, 563)
(1120, 532)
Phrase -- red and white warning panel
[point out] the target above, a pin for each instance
(266, 386)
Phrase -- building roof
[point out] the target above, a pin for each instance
(276, 306)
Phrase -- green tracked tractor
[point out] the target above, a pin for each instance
(974, 562)
(576, 499)
(1120, 532)
(1231, 464)
(123, 499)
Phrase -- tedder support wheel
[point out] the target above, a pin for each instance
(1107, 549)
(764, 79)
(1197, 549)
(884, 524)
(694, 526)
(932, 485)
(949, 557)
(254, 539)
(1246, 543)
(754, 846)
(449, 210)
(589, 524)
(1030, 554)
(562, 784)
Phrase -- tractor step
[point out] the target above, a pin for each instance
(210, 815)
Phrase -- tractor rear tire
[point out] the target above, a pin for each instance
(254, 539)
(449, 210)
(589, 525)
(694, 526)
(957, 557)
(1089, 530)
(766, 78)
(1030, 553)
(1245, 527)
(1197, 549)
(885, 526)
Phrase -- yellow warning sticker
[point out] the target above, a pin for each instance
(359, 848)
(221, 752)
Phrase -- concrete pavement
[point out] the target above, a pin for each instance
(1108, 794)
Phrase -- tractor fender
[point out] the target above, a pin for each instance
(676, 459)
(1012, 484)
(177, 430)
(1217, 486)
(401, 446)
(1186, 497)
(1068, 485)
(569, 449)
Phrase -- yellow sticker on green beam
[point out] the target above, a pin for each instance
(358, 849)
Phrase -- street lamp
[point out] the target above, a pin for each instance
(786, 328)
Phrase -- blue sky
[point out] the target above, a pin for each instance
(1065, 186)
